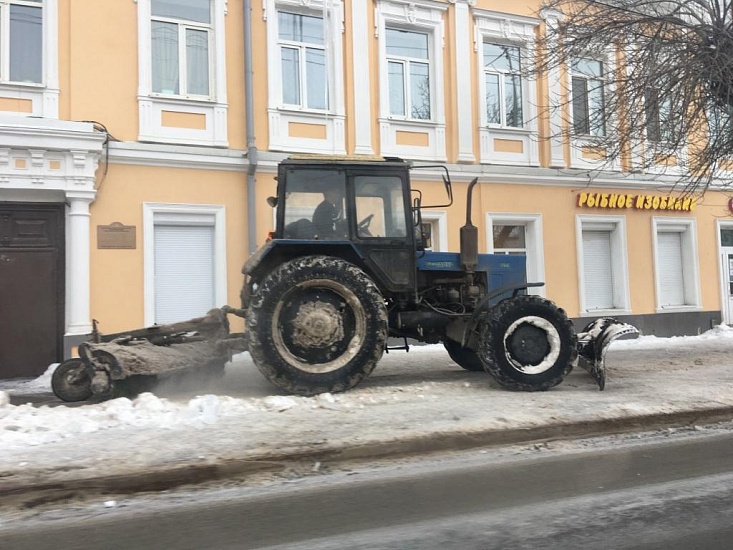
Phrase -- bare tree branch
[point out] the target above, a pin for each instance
(667, 104)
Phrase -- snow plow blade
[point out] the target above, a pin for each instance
(593, 343)
(132, 361)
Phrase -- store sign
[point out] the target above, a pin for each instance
(639, 202)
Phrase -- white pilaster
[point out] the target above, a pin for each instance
(362, 86)
(557, 156)
(78, 248)
(463, 81)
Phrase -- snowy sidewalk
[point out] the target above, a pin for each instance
(415, 402)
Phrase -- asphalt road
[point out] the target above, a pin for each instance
(669, 494)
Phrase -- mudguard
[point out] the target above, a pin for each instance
(593, 343)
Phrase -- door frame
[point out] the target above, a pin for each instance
(725, 313)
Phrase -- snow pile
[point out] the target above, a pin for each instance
(719, 332)
(26, 425)
(42, 384)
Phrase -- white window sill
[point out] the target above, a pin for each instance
(187, 100)
(678, 309)
(605, 313)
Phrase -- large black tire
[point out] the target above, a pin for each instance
(465, 357)
(528, 343)
(70, 381)
(316, 324)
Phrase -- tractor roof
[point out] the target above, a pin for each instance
(314, 159)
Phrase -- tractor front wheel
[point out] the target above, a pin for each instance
(316, 324)
(528, 343)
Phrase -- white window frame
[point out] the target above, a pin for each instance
(441, 220)
(43, 96)
(183, 26)
(687, 227)
(425, 17)
(213, 108)
(579, 142)
(534, 244)
(654, 149)
(517, 31)
(619, 262)
(280, 115)
(182, 214)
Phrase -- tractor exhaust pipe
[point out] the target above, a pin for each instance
(469, 235)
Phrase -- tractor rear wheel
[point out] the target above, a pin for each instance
(465, 357)
(316, 324)
(528, 343)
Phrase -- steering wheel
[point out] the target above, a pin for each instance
(363, 226)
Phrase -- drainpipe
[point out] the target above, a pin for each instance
(250, 128)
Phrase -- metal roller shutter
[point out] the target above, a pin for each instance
(598, 270)
(671, 272)
(184, 272)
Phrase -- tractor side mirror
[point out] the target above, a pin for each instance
(272, 201)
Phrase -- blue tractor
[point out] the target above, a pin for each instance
(347, 268)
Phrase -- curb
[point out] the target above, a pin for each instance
(36, 493)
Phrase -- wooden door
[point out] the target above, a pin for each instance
(31, 288)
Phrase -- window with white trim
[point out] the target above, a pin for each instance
(408, 61)
(434, 230)
(519, 234)
(411, 89)
(303, 60)
(676, 265)
(660, 126)
(306, 101)
(503, 85)
(184, 261)
(21, 22)
(588, 97)
(182, 93)
(602, 264)
(508, 117)
(29, 57)
(180, 35)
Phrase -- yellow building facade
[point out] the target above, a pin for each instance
(139, 140)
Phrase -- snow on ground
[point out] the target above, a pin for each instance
(26, 425)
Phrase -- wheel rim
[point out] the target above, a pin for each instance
(532, 345)
(318, 326)
(72, 382)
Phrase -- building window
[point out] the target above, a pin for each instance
(180, 37)
(182, 72)
(411, 38)
(303, 60)
(184, 261)
(503, 81)
(659, 121)
(676, 263)
(434, 229)
(305, 75)
(22, 59)
(588, 98)
(408, 62)
(602, 265)
(519, 234)
(509, 239)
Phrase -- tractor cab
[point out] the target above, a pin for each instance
(357, 208)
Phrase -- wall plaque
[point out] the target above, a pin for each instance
(116, 235)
